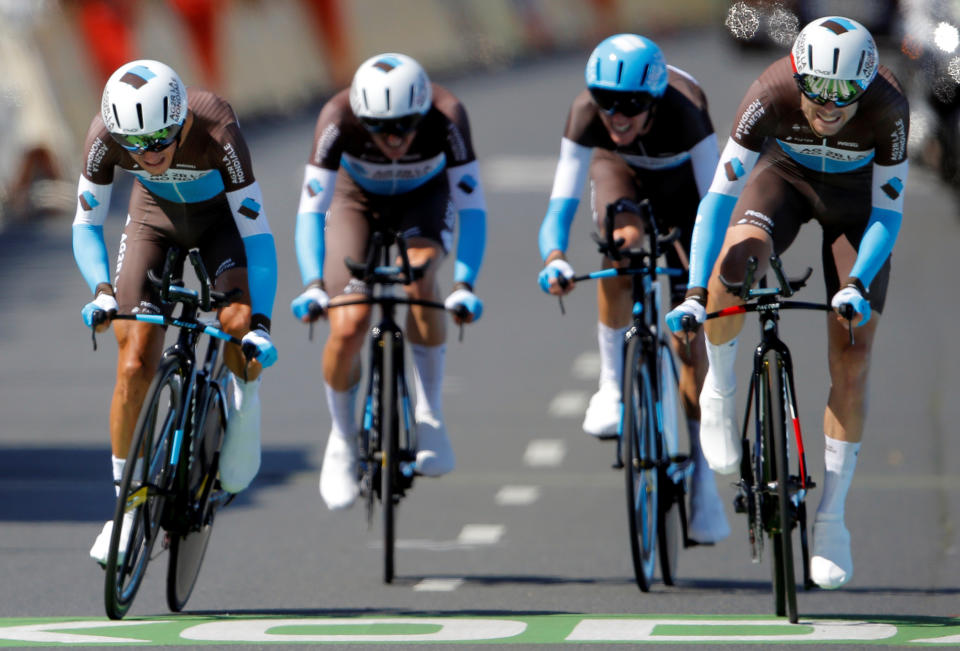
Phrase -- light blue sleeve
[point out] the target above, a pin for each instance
(877, 243)
(309, 243)
(471, 244)
(90, 252)
(713, 215)
(555, 229)
(261, 272)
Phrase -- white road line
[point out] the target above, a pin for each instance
(517, 495)
(480, 534)
(438, 585)
(544, 452)
(568, 404)
(586, 366)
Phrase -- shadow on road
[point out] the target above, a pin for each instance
(52, 484)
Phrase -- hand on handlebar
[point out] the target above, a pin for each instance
(847, 299)
(556, 278)
(465, 306)
(687, 316)
(257, 345)
(98, 312)
(310, 305)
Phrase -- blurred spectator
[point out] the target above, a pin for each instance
(35, 135)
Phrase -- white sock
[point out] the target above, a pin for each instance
(243, 392)
(840, 461)
(428, 366)
(610, 341)
(342, 410)
(722, 360)
(118, 466)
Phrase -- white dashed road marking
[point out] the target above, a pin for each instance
(438, 585)
(518, 495)
(586, 366)
(480, 534)
(544, 452)
(568, 404)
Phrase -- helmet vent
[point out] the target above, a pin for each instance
(619, 71)
(365, 102)
(140, 114)
(836, 59)
(863, 54)
(643, 79)
(116, 116)
(413, 90)
(165, 109)
(388, 98)
(810, 56)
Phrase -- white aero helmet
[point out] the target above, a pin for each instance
(834, 60)
(144, 105)
(390, 93)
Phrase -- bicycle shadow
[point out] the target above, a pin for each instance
(72, 484)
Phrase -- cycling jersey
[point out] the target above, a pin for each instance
(371, 184)
(208, 198)
(671, 165)
(851, 182)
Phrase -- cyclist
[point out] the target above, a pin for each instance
(379, 155)
(194, 188)
(647, 127)
(821, 134)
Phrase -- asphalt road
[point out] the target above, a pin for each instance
(557, 543)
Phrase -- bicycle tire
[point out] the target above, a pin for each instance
(671, 491)
(144, 494)
(640, 468)
(784, 579)
(388, 467)
(189, 546)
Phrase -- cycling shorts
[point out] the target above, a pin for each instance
(780, 197)
(611, 178)
(153, 226)
(425, 212)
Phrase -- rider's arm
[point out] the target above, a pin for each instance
(568, 183)
(246, 205)
(466, 193)
(713, 213)
(883, 225)
(89, 247)
(315, 198)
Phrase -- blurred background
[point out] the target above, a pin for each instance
(271, 58)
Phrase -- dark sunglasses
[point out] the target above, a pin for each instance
(821, 90)
(624, 103)
(156, 141)
(392, 126)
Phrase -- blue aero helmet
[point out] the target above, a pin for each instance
(626, 73)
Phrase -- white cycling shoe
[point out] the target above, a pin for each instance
(719, 431)
(602, 418)
(832, 564)
(434, 452)
(339, 487)
(101, 546)
(240, 454)
(708, 520)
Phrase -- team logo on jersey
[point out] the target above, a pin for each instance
(892, 188)
(88, 201)
(467, 183)
(314, 188)
(137, 76)
(249, 208)
(733, 169)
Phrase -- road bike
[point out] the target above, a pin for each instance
(655, 470)
(387, 440)
(770, 492)
(170, 482)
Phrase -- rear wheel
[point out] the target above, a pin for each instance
(146, 483)
(672, 492)
(188, 546)
(389, 464)
(640, 465)
(784, 579)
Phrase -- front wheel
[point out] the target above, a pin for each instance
(640, 463)
(146, 483)
(188, 546)
(389, 439)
